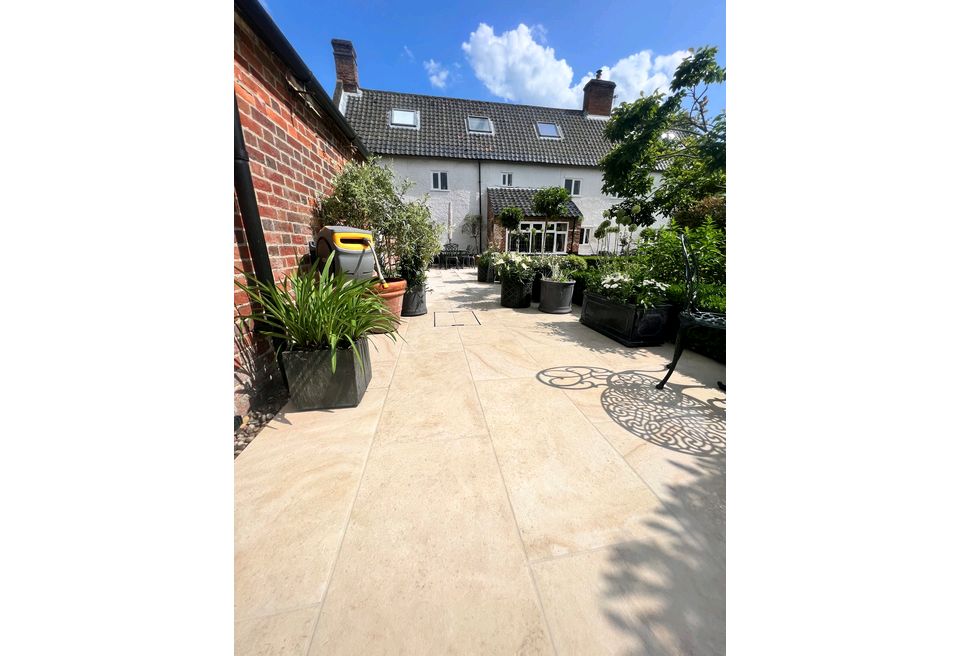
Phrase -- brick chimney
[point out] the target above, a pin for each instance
(345, 58)
(598, 96)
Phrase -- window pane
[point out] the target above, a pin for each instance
(436, 180)
(478, 124)
(443, 180)
(568, 185)
(576, 187)
(404, 117)
(561, 241)
(549, 242)
(561, 227)
(548, 130)
(538, 241)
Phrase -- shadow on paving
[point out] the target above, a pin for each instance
(679, 582)
(667, 417)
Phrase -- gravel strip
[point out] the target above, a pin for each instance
(254, 421)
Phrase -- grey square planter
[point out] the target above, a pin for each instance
(314, 386)
(631, 325)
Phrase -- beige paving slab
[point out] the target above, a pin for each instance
(293, 489)
(431, 563)
(569, 488)
(692, 487)
(656, 595)
(500, 360)
(432, 398)
(285, 634)
(383, 347)
(436, 339)
(562, 356)
(382, 374)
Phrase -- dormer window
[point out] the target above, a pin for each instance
(549, 131)
(479, 125)
(404, 118)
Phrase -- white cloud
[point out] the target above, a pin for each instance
(515, 66)
(408, 53)
(438, 74)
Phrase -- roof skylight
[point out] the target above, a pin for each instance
(479, 124)
(549, 130)
(404, 118)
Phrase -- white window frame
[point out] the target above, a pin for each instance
(485, 118)
(536, 129)
(535, 228)
(585, 236)
(506, 178)
(575, 184)
(404, 126)
(440, 177)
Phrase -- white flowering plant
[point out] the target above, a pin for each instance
(630, 285)
(514, 267)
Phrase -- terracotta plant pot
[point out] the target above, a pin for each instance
(392, 294)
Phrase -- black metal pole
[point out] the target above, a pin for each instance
(247, 199)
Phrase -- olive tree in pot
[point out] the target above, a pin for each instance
(322, 322)
(556, 288)
(365, 195)
(417, 245)
(516, 279)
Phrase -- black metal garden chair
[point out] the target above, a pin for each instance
(450, 251)
(691, 316)
(468, 257)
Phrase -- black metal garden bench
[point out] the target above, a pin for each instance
(691, 316)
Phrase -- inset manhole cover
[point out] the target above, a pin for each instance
(450, 319)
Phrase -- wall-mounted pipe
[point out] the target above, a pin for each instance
(247, 200)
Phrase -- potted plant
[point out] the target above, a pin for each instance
(556, 289)
(484, 268)
(417, 244)
(541, 267)
(516, 279)
(366, 196)
(627, 307)
(322, 322)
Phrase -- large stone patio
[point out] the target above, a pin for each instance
(511, 484)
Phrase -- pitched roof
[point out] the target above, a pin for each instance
(443, 129)
(522, 197)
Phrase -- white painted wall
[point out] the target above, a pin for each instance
(449, 208)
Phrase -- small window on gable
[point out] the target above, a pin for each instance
(548, 130)
(404, 118)
(572, 186)
(439, 182)
(506, 179)
(479, 124)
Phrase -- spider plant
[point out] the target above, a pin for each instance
(318, 310)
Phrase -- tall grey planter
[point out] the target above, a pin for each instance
(556, 297)
(313, 385)
(515, 293)
(414, 301)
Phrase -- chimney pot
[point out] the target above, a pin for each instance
(345, 60)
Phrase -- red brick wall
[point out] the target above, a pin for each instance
(294, 156)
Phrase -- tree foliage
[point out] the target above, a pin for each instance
(510, 218)
(672, 133)
(551, 202)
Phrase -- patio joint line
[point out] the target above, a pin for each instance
(513, 514)
(274, 613)
(346, 525)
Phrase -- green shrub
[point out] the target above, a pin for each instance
(513, 267)
(510, 218)
(574, 263)
(712, 207)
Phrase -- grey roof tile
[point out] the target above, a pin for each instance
(443, 130)
(522, 197)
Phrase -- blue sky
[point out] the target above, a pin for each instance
(528, 52)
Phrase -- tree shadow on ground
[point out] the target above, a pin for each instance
(666, 593)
